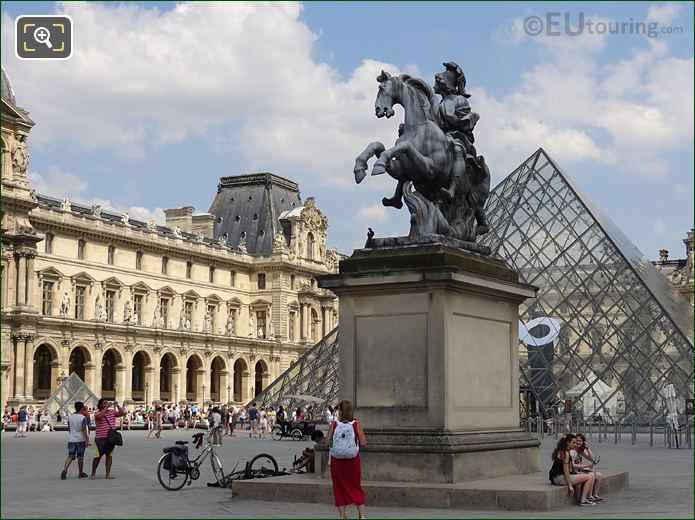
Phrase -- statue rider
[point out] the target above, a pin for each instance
(458, 121)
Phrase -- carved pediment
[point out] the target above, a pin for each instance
(191, 295)
(83, 278)
(50, 273)
(140, 287)
(213, 298)
(166, 291)
(113, 282)
(234, 302)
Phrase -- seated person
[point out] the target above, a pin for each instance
(560, 475)
(578, 454)
(46, 420)
(308, 455)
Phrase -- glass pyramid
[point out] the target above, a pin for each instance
(606, 328)
(314, 375)
(70, 391)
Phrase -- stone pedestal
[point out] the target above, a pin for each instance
(429, 357)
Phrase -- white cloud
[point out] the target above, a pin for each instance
(658, 227)
(376, 214)
(664, 14)
(58, 184)
(630, 114)
(140, 77)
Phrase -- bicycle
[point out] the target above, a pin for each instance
(261, 466)
(175, 478)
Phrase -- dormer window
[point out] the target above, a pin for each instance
(310, 246)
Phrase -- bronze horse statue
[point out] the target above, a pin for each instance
(446, 192)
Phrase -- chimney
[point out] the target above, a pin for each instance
(663, 255)
(181, 217)
(203, 223)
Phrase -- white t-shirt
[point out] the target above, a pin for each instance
(75, 422)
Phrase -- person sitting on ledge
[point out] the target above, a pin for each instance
(308, 455)
(560, 471)
(581, 452)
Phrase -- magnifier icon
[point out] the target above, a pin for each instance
(43, 35)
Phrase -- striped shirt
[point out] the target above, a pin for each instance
(102, 426)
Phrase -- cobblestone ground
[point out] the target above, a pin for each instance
(661, 483)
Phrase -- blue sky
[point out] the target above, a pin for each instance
(161, 99)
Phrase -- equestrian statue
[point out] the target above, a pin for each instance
(440, 177)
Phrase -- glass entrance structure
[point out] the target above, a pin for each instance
(606, 329)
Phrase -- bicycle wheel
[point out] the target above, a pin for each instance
(262, 465)
(170, 480)
(217, 469)
(297, 434)
(276, 434)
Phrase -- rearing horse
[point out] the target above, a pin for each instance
(423, 153)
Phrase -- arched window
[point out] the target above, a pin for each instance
(42, 362)
(77, 362)
(310, 246)
(138, 372)
(108, 371)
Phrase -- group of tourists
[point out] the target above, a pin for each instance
(574, 465)
(29, 419)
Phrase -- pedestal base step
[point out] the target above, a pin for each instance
(530, 492)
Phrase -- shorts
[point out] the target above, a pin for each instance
(22, 426)
(253, 423)
(559, 480)
(76, 449)
(103, 447)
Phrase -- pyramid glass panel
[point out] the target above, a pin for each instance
(624, 331)
(70, 391)
(314, 375)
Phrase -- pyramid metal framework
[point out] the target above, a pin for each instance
(314, 374)
(70, 391)
(602, 307)
(604, 321)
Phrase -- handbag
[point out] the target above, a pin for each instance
(113, 436)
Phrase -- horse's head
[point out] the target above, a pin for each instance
(387, 95)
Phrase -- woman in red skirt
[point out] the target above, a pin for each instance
(345, 437)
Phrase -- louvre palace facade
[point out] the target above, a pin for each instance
(208, 308)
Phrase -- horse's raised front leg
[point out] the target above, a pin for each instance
(360, 170)
(420, 163)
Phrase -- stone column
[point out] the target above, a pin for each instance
(154, 387)
(178, 392)
(128, 390)
(89, 372)
(121, 371)
(56, 368)
(98, 360)
(149, 384)
(31, 286)
(18, 366)
(29, 367)
(201, 396)
(245, 386)
(225, 381)
(21, 279)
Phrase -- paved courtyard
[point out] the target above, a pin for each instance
(661, 483)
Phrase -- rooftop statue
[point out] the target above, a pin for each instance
(439, 175)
